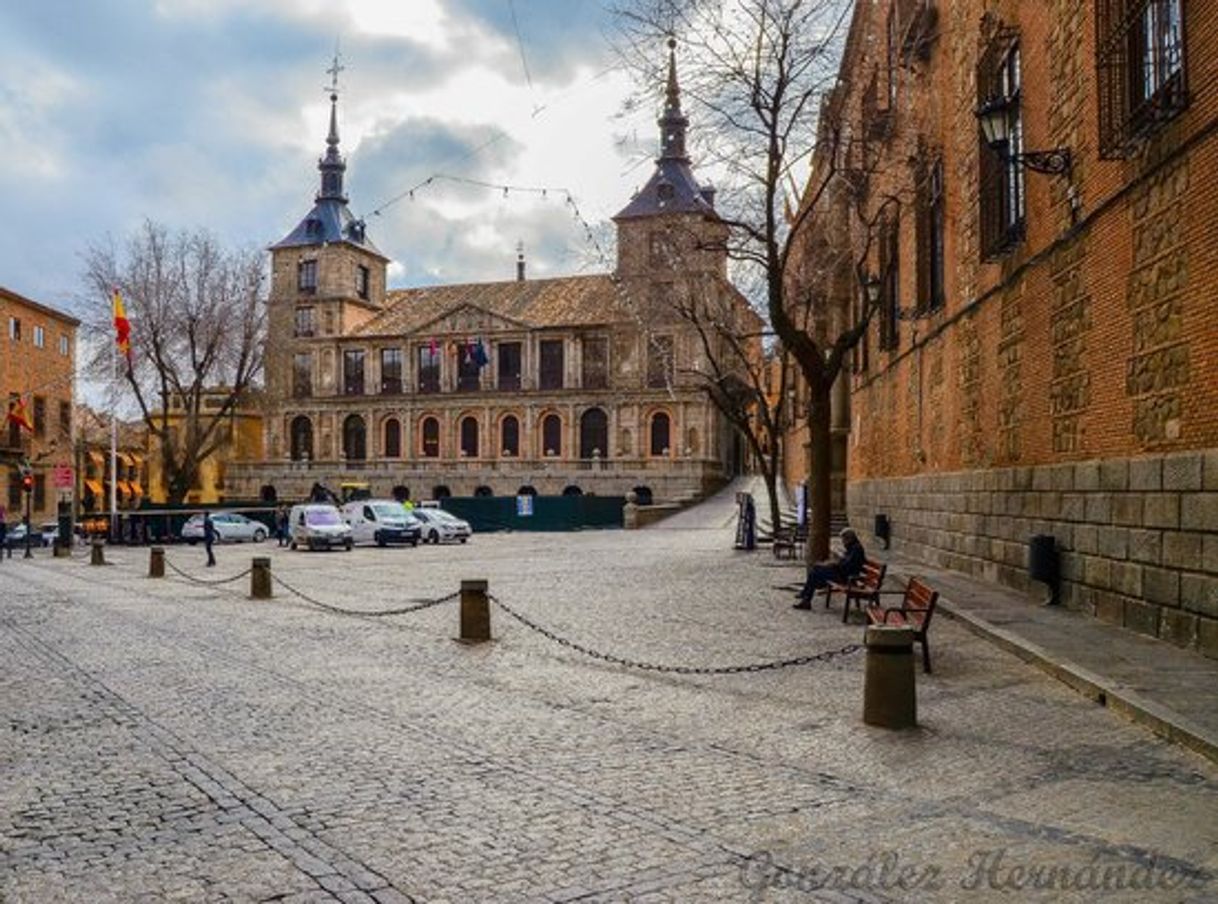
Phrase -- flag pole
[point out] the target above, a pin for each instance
(113, 440)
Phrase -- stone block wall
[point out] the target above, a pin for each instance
(1138, 536)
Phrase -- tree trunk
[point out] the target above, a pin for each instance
(819, 502)
(771, 488)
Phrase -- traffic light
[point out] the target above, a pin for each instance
(27, 482)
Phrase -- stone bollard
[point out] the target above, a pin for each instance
(889, 695)
(630, 512)
(475, 612)
(97, 551)
(156, 562)
(260, 578)
(61, 551)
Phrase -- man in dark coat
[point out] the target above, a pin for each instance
(848, 565)
(209, 537)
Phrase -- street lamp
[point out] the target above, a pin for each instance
(994, 115)
(871, 290)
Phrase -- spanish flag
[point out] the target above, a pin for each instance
(122, 326)
(18, 415)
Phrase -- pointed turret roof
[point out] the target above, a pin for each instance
(672, 187)
(330, 220)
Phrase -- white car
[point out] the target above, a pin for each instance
(317, 525)
(439, 525)
(230, 528)
(381, 521)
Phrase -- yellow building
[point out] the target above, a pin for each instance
(240, 439)
(92, 459)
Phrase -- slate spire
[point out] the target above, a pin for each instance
(332, 165)
(673, 122)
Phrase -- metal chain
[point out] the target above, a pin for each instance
(373, 613)
(823, 656)
(206, 583)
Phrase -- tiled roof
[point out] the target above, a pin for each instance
(567, 301)
(329, 221)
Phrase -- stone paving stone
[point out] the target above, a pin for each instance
(180, 742)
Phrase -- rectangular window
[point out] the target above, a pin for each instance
(63, 346)
(1002, 195)
(40, 493)
(353, 371)
(306, 276)
(391, 371)
(304, 322)
(14, 429)
(65, 418)
(361, 281)
(429, 368)
(890, 284)
(659, 362)
(40, 337)
(931, 224)
(596, 363)
(468, 371)
(1140, 63)
(509, 365)
(14, 329)
(549, 374)
(40, 416)
(302, 375)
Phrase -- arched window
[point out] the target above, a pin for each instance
(393, 438)
(268, 493)
(551, 435)
(572, 490)
(401, 492)
(483, 491)
(509, 430)
(431, 437)
(659, 433)
(527, 490)
(440, 492)
(469, 437)
(302, 438)
(642, 495)
(355, 438)
(594, 434)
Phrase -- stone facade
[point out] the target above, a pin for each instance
(591, 384)
(1086, 342)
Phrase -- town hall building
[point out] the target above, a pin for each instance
(580, 384)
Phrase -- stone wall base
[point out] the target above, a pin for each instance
(1138, 536)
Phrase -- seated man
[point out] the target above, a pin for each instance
(848, 565)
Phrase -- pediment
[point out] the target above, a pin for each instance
(469, 320)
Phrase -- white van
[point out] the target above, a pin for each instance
(381, 521)
(318, 525)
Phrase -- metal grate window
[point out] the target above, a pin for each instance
(1140, 67)
(1002, 191)
(931, 225)
(890, 284)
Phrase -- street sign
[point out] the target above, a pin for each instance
(62, 477)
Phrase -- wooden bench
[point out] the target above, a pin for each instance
(788, 541)
(864, 588)
(916, 610)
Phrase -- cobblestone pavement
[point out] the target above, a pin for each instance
(165, 740)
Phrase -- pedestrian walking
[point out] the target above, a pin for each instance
(281, 525)
(209, 537)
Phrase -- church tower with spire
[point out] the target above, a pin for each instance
(327, 277)
(670, 226)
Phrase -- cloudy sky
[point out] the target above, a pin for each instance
(211, 113)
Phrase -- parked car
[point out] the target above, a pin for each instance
(50, 532)
(318, 525)
(381, 521)
(15, 539)
(439, 525)
(230, 528)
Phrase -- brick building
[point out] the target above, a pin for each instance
(579, 384)
(1044, 359)
(37, 363)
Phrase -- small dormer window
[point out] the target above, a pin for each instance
(664, 191)
(313, 226)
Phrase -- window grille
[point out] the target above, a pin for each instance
(1141, 72)
(1002, 190)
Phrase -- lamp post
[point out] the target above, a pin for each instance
(871, 290)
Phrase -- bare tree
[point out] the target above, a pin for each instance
(198, 327)
(758, 75)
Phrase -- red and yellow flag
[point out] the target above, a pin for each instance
(122, 326)
(18, 415)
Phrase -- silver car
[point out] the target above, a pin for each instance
(230, 528)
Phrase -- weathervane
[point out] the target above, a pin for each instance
(333, 71)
